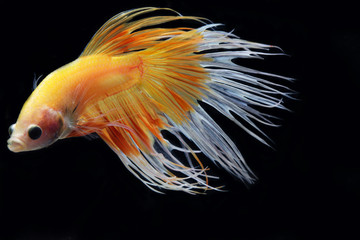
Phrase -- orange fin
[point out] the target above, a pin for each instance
(122, 34)
(174, 68)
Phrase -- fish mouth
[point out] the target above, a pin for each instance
(15, 145)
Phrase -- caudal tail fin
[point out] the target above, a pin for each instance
(180, 67)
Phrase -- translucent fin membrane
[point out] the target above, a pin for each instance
(239, 89)
(236, 89)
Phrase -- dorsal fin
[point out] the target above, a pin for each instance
(121, 34)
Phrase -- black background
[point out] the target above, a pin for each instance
(308, 187)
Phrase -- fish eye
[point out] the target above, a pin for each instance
(11, 129)
(34, 132)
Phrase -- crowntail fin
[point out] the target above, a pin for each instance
(180, 67)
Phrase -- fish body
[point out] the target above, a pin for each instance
(61, 93)
(133, 81)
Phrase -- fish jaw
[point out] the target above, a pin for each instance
(15, 144)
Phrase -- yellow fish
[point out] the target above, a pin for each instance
(135, 79)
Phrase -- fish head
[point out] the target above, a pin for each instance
(35, 128)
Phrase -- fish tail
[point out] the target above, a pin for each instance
(181, 67)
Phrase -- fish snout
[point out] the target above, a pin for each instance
(15, 145)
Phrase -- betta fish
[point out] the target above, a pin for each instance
(139, 83)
